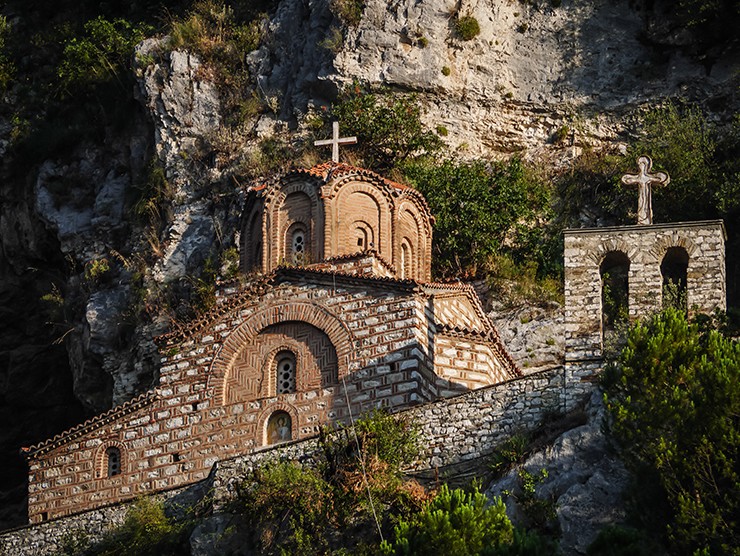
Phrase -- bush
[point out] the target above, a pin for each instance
(482, 210)
(103, 54)
(7, 68)
(348, 11)
(146, 531)
(674, 397)
(388, 127)
(212, 30)
(354, 488)
(455, 522)
(467, 27)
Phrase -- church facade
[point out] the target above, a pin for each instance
(339, 316)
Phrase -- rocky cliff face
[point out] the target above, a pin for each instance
(533, 71)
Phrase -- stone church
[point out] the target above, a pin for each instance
(338, 316)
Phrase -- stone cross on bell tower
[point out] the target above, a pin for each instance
(644, 179)
(335, 141)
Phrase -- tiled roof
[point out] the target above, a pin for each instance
(91, 424)
(338, 169)
(490, 337)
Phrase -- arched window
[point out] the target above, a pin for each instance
(285, 371)
(113, 461)
(407, 260)
(279, 428)
(673, 269)
(298, 244)
(363, 235)
(614, 270)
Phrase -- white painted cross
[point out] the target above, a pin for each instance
(335, 141)
(644, 179)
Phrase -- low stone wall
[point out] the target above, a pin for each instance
(452, 431)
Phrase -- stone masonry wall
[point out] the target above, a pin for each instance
(452, 430)
(645, 247)
(176, 435)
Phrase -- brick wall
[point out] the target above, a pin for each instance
(344, 211)
(358, 343)
(452, 430)
(645, 247)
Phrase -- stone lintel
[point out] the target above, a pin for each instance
(708, 224)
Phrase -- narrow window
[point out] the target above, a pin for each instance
(298, 247)
(614, 272)
(279, 428)
(285, 373)
(674, 269)
(113, 457)
(406, 260)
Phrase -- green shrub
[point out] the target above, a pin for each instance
(103, 54)
(96, 269)
(388, 127)
(482, 210)
(511, 452)
(467, 27)
(212, 31)
(7, 68)
(291, 507)
(455, 522)
(146, 531)
(349, 12)
(674, 397)
(446, 71)
(334, 40)
(615, 540)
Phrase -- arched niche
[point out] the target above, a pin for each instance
(614, 273)
(321, 342)
(252, 238)
(278, 428)
(674, 270)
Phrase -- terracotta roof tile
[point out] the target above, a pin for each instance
(91, 424)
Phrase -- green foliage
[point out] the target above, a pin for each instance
(514, 450)
(454, 522)
(387, 438)
(349, 12)
(446, 71)
(516, 283)
(560, 135)
(467, 27)
(482, 210)
(7, 68)
(616, 540)
(96, 269)
(102, 54)
(388, 127)
(334, 40)
(674, 398)
(322, 508)
(293, 508)
(146, 531)
(540, 512)
(212, 30)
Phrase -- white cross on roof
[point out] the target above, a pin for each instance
(335, 141)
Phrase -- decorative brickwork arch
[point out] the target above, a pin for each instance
(310, 313)
(102, 462)
(252, 236)
(613, 244)
(264, 418)
(293, 201)
(353, 199)
(415, 230)
(666, 242)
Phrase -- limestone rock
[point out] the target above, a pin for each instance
(533, 335)
(585, 480)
